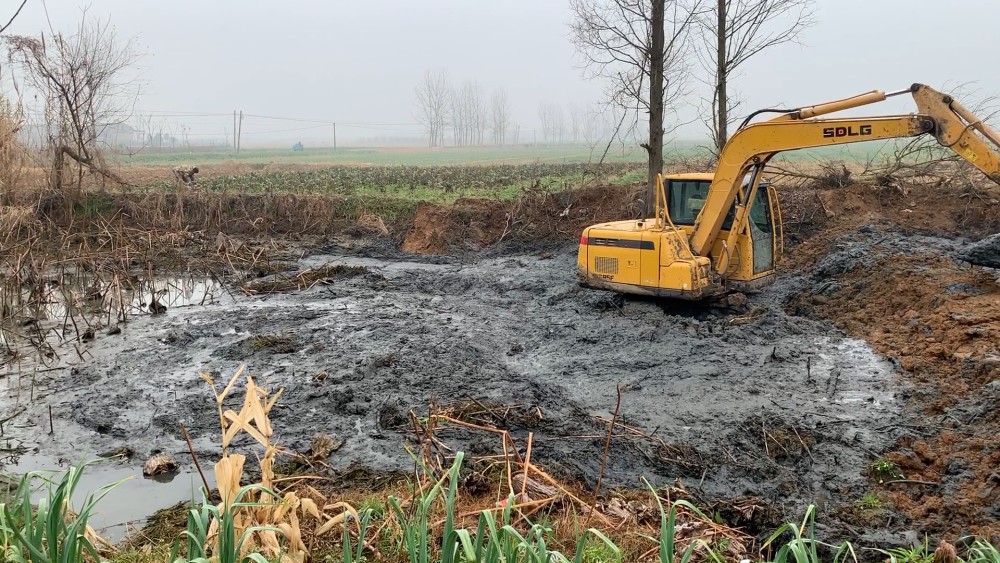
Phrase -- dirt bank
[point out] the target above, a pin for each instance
(940, 320)
(887, 266)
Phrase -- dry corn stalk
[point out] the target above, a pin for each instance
(280, 513)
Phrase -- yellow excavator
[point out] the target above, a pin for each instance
(714, 233)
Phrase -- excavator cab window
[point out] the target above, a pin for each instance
(760, 211)
(685, 198)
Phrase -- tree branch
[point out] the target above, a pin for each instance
(14, 17)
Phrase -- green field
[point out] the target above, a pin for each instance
(484, 155)
(442, 184)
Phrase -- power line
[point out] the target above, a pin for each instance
(286, 130)
(170, 113)
(331, 122)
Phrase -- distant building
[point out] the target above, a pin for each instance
(120, 135)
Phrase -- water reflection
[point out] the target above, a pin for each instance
(36, 318)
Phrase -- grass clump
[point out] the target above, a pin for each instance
(884, 470)
(277, 343)
(870, 502)
(44, 529)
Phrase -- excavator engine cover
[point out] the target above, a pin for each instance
(634, 257)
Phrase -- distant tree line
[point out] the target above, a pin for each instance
(466, 112)
(464, 115)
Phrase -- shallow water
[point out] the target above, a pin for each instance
(42, 323)
(127, 504)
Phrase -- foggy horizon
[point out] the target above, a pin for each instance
(358, 64)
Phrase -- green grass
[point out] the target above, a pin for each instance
(870, 502)
(441, 184)
(918, 554)
(41, 530)
(481, 155)
(884, 470)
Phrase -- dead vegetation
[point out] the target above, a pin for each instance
(304, 279)
(272, 523)
(519, 483)
(63, 286)
(276, 343)
(781, 440)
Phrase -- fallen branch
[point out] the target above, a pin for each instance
(194, 458)
(912, 482)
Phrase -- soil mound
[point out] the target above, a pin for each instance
(470, 224)
(532, 218)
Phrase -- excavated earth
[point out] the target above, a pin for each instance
(877, 343)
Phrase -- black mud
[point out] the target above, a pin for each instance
(759, 405)
(984, 253)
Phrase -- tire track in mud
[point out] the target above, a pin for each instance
(732, 408)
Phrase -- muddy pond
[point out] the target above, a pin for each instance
(762, 404)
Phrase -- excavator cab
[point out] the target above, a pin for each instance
(757, 245)
(656, 263)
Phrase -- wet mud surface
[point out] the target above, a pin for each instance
(917, 300)
(765, 405)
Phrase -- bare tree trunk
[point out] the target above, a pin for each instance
(741, 30)
(721, 91)
(655, 146)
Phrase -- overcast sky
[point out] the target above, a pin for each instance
(358, 61)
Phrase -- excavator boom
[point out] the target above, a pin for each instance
(752, 145)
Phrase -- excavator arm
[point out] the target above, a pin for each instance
(753, 145)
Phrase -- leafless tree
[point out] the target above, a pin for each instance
(599, 126)
(558, 123)
(640, 47)
(468, 114)
(433, 105)
(735, 31)
(477, 111)
(551, 121)
(81, 80)
(544, 120)
(500, 115)
(458, 118)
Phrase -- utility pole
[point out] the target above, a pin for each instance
(239, 133)
(334, 135)
(234, 130)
